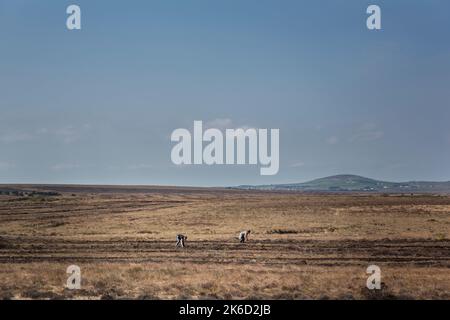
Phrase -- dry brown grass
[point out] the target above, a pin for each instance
(302, 246)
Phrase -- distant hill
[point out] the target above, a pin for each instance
(354, 183)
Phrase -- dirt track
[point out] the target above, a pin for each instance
(415, 252)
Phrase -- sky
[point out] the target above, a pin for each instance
(98, 105)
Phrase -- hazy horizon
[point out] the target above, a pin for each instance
(220, 186)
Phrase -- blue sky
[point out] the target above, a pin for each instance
(98, 105)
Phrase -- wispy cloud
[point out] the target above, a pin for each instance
(66, 134)
(219, 123)
(225, 123)
(367, 132)
(12, 137)
(141, 166)
(6, 165)
(65, 166)
(70, 133)
(332, 140)
(297, 164)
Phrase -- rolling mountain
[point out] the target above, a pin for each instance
(354, 183)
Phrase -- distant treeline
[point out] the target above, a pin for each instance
(24, 193)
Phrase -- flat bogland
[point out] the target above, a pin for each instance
(302, 245)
